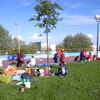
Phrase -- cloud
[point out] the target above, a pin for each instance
(90, 35)
(18, 37)
(26, 3)
(36, 36)
(77, 19)
(76, 5)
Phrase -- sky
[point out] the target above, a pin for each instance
(78, 16)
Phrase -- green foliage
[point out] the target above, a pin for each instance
(77, 42)
(81, 83)
(46, 14)
(68, 42)
(9, 45)
(5, 39)
(60, 45)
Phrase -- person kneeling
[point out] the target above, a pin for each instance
(31, 62)
(62, 70)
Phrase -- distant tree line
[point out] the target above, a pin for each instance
(9, 45)
(76, 42)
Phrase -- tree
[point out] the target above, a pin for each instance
(60, 45)
(32, 47)
(5, 39)
(47, 16)
(68, 42)
(82, 41)
(78, 41)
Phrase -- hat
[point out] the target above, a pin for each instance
(62, 50)
(58, 48)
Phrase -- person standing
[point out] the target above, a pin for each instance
(20, 59)
(55, 58)
(58, 54)
(62, 58)
(83, 55)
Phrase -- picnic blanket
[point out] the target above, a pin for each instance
(46, 64)
(18, 72)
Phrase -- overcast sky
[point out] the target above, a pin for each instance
(78, 17)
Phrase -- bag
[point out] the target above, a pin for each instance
(26, 76)
(5, 78)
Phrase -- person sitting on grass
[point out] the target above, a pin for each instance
(89, 57)
(76, 58)
(62, 70)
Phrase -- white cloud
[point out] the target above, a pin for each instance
(90, 35)
(76, 5)
(36, 36)
(26, 3)
(19, 37)
(77, 19)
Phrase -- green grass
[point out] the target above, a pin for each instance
(81, 83)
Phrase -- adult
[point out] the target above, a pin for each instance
(31, 62)
(62, 58)
(58, 54)
(20, 59)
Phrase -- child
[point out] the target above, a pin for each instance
(55, 58)
(89, 57)
(62, 70)
(58, 55)
(62, 58)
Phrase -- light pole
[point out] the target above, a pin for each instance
(97, 17)
(19, 35)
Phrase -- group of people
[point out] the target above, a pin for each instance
(84, 56)
(59, 56)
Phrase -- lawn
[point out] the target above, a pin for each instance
(81, 83)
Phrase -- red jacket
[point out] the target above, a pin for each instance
(20, 56)
(62, 59)
(90, 56)
(58, 53)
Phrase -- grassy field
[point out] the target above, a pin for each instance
(81, 83)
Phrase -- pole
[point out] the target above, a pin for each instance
(97, 35)
(19, 38)
(47, 49)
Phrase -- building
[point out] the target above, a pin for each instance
(42, 46)
(94, 47)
